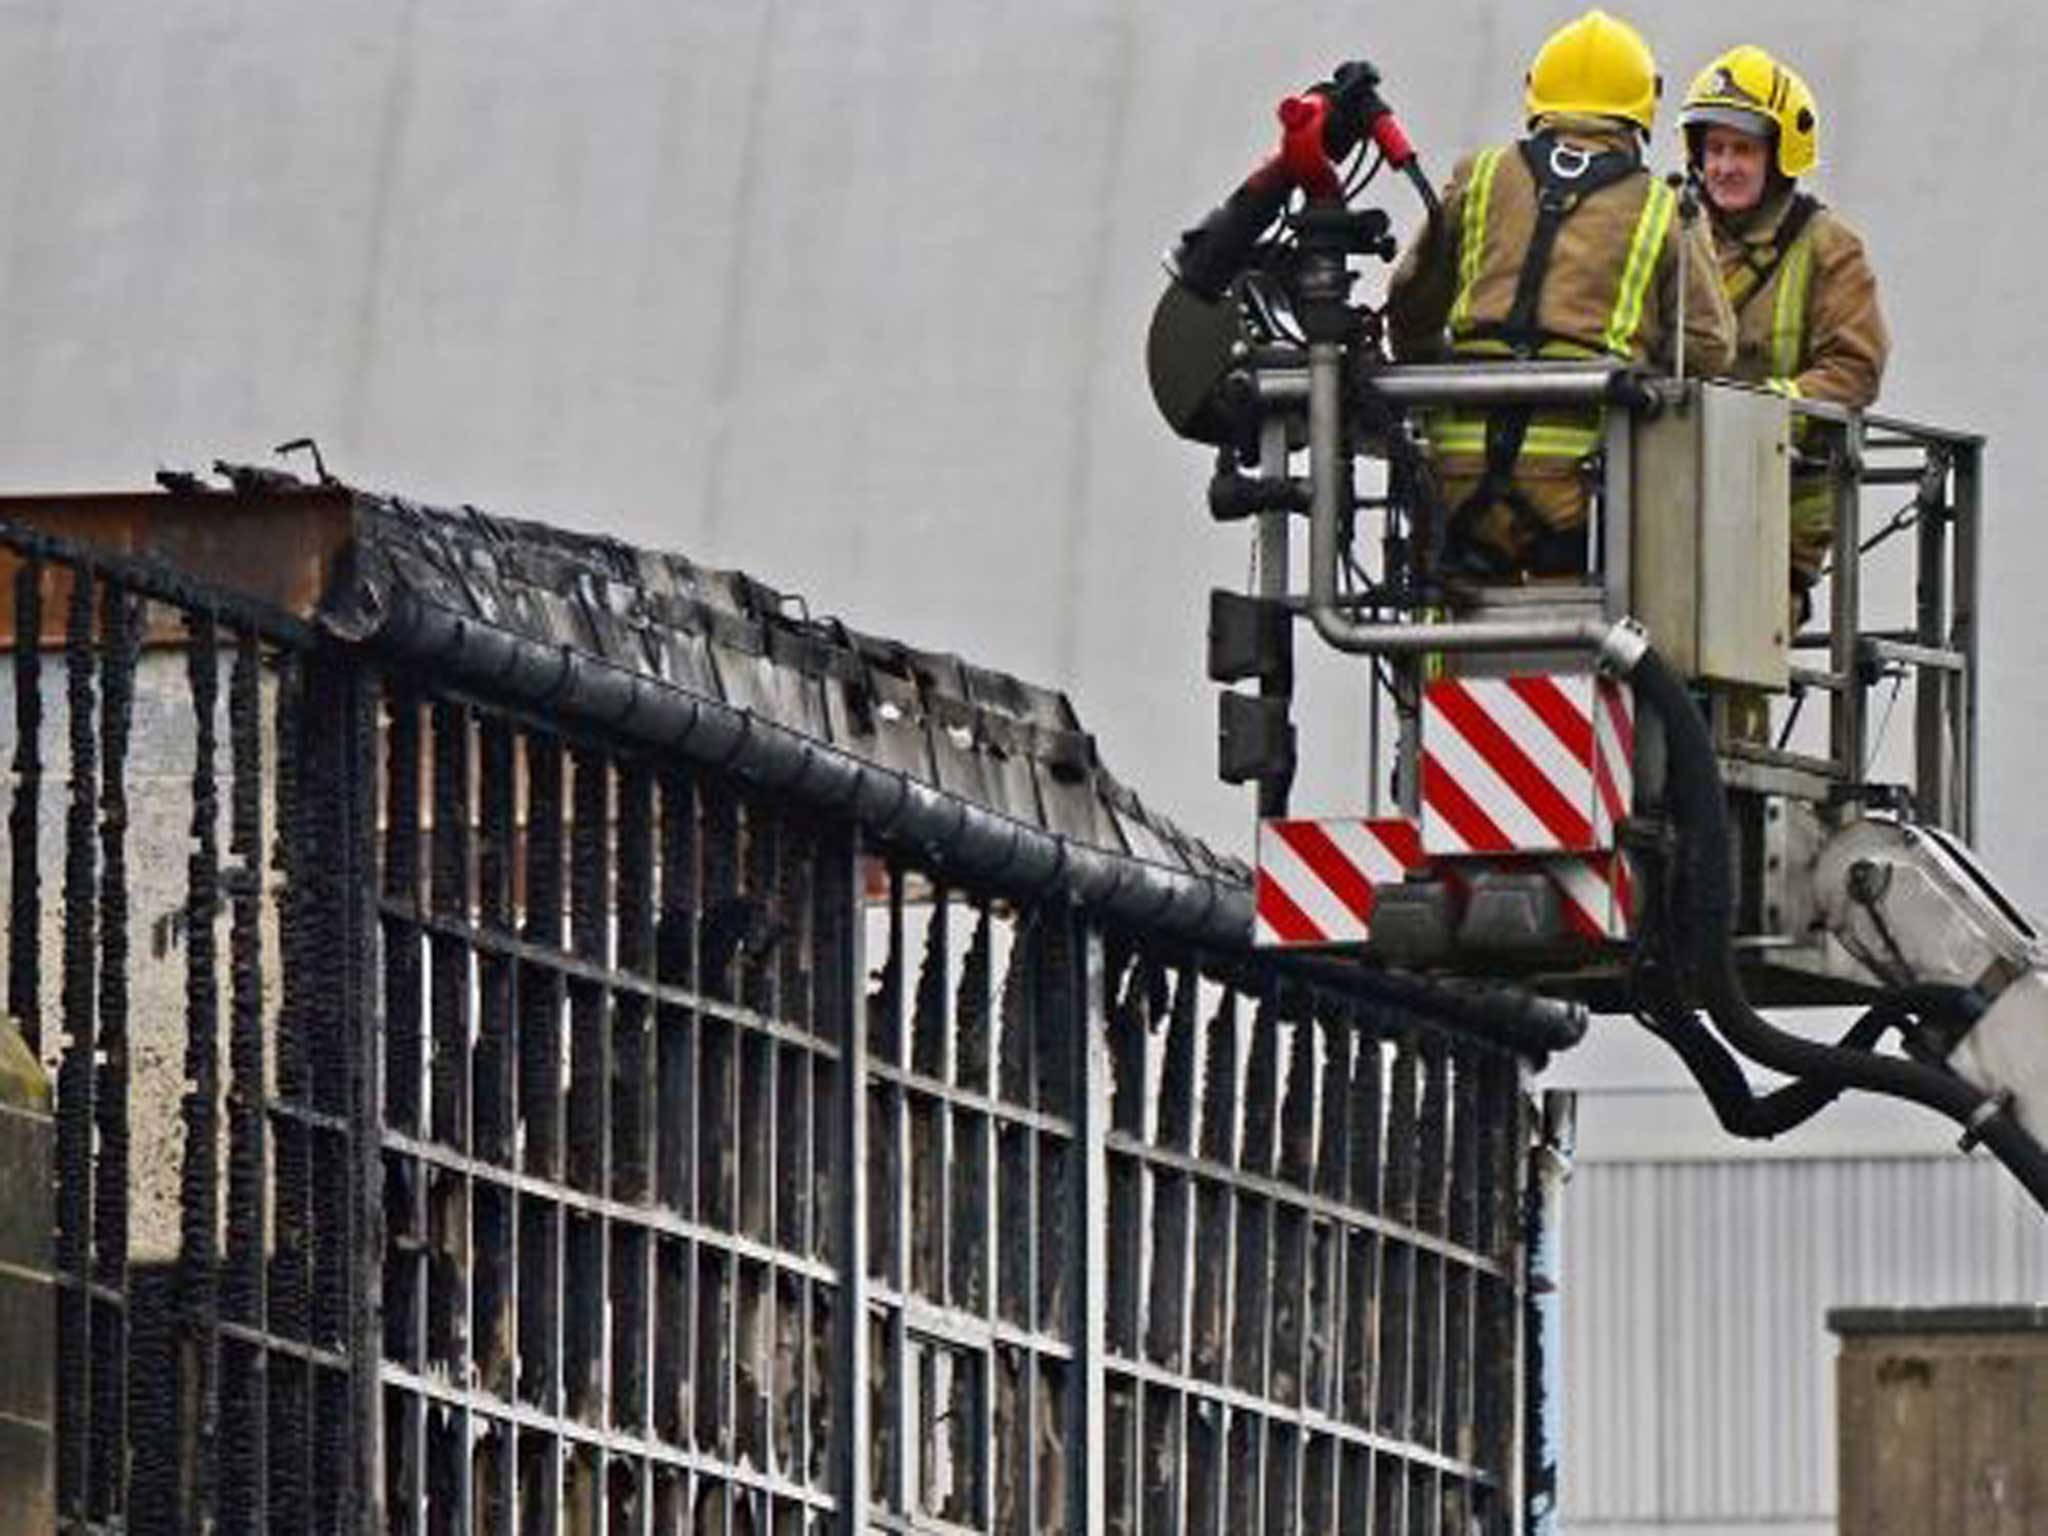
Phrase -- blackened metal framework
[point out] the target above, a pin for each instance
(585, 1140)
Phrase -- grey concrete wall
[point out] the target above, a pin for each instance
(853, 294)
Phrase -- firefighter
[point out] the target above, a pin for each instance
(1560, 245)
(1805, 299)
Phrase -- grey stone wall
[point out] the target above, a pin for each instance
(158, 842)
(28, 1306)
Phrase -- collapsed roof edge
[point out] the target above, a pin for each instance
(982, 776)
(710, 664)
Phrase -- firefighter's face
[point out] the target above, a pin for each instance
(1733, 164)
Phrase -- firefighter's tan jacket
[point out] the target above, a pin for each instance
(1810, 327)
(1611, 289)
(1814, 323)
(1446, 292)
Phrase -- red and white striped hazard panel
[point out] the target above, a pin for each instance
(1316, 876)
(1598, 897)
(1538, 764)
(1594, 890)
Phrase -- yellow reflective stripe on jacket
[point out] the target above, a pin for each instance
(1556, 349)
(1652, 225)
(1788, 312)
(1472, 231)
(1466, 436)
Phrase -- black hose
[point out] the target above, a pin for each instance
(1742, 1111)
(1702, 818)
(1739, 1108)
(1759, 1117)
(1433, 208)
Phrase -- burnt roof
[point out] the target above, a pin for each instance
(977, 775)
(979, 772)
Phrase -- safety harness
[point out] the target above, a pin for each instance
(1565, 176)
(1792, 256)
(1789, 259)
(1758, 270)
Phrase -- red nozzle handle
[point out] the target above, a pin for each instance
(1302, 155)
(1393, 140)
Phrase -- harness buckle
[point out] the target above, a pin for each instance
(1568, 162)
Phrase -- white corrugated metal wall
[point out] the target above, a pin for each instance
(1699, 1371)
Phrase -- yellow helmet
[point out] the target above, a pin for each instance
(1748, 90)
(1598, 64)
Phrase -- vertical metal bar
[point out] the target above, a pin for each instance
(74, 1134)
(333, 1049)
(448, 894)
(843, 957)
(1617, 509)
(1262, 1087)
(540, 1028)
(1364, 1112)
(404, 1006)
(1297, 1155)
(1251, 1300)
(1461, 1383)
(407, 1252)
(1292, 1237)
(675, 966)
(900, 1227)
(493, 1093)
(1364, 1260)
(289, 1303)
(1334, 1027)
(1551, 1160)
(24, 891)
(1176, 1119)
(198, 1404)
(353, 859)
(1398, 1268)
(244, 1377)
(926, 1117)
(1250, 1293)
(1964, 635)
(451, 1323)
(1124, 1048)
(1514, 1107)
(495, 1302)
(1081, 998)
(1166, 1310)
(587, 1290)
(120, 644)
(1329, 1326)
(1373, 705)
(589, 1142)
(633, 1080)
(1931, 686)
(1431, 1218)
(722, 915)
(1846, 744)
(1271, 555)
(1219, 1084)
(1210, 1314)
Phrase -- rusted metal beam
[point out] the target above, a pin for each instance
(279, 550)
